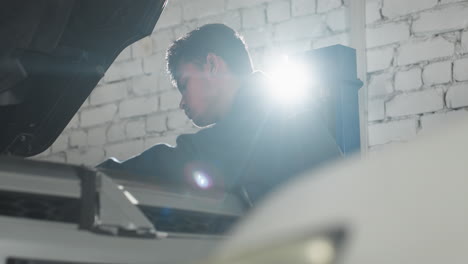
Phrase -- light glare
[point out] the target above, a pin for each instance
(289, 82)
(201, 180)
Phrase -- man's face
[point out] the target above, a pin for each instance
(199, 95)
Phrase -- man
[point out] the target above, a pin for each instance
(250, 143)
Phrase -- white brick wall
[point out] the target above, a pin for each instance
(388, 33)
(434, 122)
(421, 50)
(408, 80)
(254, 17)
(200, 8)
(109, 93)
(416, 57)
(337, 20)
(437, 73)
(379, 59)
(401, 130)
(464, 42)
(376, 110)
(394, 8)
(415, 103)
(327, 5)
(98, 115)
(138, 106)
(303, 7)
(380, 85)
(457, 95)
(460, 70)
(373, 11)
(444, 19)
(278, 11)
(294, 29)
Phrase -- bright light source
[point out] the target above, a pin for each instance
(202, 180)
(289, 82)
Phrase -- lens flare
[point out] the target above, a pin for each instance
(202, 180)
(289, 82)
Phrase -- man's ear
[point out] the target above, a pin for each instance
(213, 62)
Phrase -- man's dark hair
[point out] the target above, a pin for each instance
(211, 38)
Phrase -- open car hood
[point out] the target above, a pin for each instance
(52, 55)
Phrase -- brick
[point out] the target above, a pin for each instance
(385, 34)
(231, 18)
(88, 157)
(253, 17)
(460, 70)
(138, 106)
(74, 122)
(177, 120)
(394, 131)
(437, 73)
(257, 37)
(439, 20)
(162, 39)
(78, 138)
(342, 38)
(97, 136)
(379, 59)
(375, 110)
(98, 115)
(166, 139)
(201, 8)
(278, 11)
(116, 132)
(181, 30)
(380, 85)
(464, 42)
(395, 8)
(373, 11)
(142, 48)
(408, 80)
(294, 28)
(109, 93)
(438, 121)
(135, 129)
(170, 100)
(171, 16)
(415, 103)
(60, 144)
(125, 150)
(337, 19)
(457, 96)
(156, 123)
(123, 70)
(145, 84)
(235, 4)
(417, 51)
(327, 5)
(302, 7)
(125, 54)
(155, 63)
(164, 83)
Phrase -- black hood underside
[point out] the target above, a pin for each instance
(52, 55)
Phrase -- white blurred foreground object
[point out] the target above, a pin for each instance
(407, 205)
